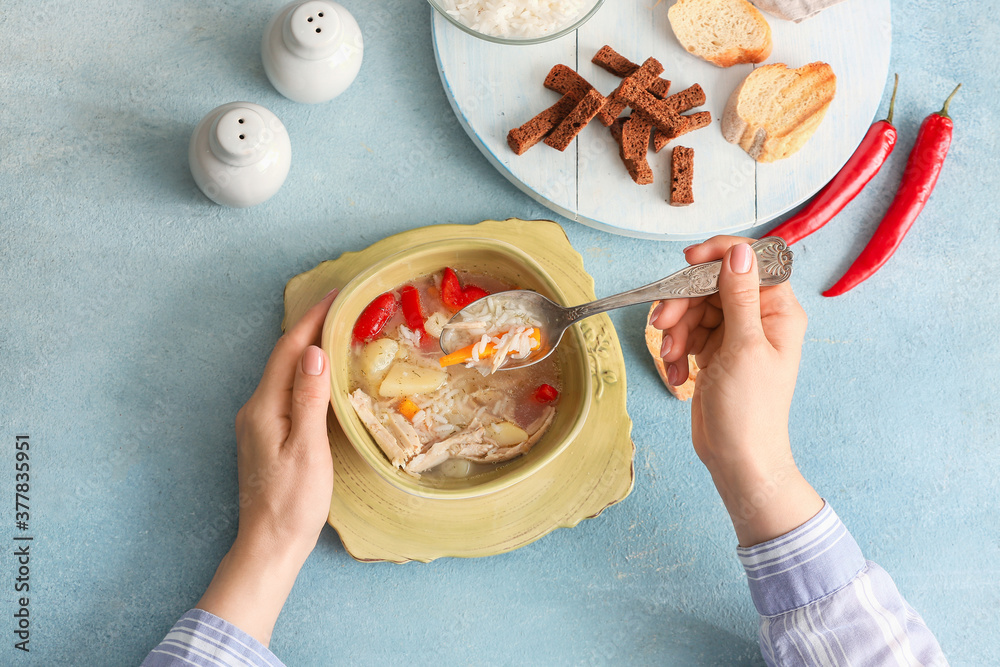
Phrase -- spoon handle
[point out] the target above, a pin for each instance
(774, 264)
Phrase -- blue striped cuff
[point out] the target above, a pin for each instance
(816, 559)
(200, 638)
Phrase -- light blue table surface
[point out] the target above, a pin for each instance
(136, 315)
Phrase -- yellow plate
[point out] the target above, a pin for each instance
(378, 522)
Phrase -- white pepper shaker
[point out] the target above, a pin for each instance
(239, 154)
(312, 50)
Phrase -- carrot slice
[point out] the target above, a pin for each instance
(464, 355)
(408, 408)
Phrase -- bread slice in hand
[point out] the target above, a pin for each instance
(775, 110)
(723, 32)
(654, 339)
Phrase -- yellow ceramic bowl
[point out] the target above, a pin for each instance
(476, 255)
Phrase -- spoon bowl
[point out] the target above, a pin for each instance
(552, 318)
(774, 266)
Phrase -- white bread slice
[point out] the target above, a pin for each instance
(723, 32)
(775, 110)
(654, 338)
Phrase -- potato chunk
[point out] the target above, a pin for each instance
(455, 468)
(506, 434)
(405, 379)
(376, 357)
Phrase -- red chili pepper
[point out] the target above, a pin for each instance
(919, 179)
(546, 393)
(374, 317)
(409, 301)
(845, 186)
(454, 296)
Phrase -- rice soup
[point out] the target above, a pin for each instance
(447, 416)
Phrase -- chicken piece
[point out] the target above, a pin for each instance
(364, 405)
(440, 452)
(406, 435)
(489, 452)
(473, 444)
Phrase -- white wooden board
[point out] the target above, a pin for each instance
(494, 88)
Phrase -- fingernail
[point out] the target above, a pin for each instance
(656, 312)
(333, 291)
(668, 342)
(740, 258)
(672, 375)
(690, 247)
(312, 361)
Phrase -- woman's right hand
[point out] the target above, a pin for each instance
(748, 343)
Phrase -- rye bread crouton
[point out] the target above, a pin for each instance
(524, 137)
(631, 147)
(635, 137)
(565, 80)
(662, 114)
(695, 121)
(641, 78)
(564, 133)
(682, 176)
(616, 130)
(685, 100)
(634, 148)
(612, 61)
(572, 87)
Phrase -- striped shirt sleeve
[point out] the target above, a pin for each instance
(205, 640)
(822, 603)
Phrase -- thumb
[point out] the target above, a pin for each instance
(310, 398)
(739, 291)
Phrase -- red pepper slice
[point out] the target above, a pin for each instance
(919, 178)
(472, 293)
(409, 301)
(849, 181)
(546, 393)
(454, 296)
(451, 290)
(374, 317)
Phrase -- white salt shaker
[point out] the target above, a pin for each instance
(239, 154)
(312, 50)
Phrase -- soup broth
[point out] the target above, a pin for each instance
(449, 421)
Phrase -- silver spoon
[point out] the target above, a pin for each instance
(774, 263)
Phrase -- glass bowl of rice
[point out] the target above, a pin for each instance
(471, 256)
(517, 21)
